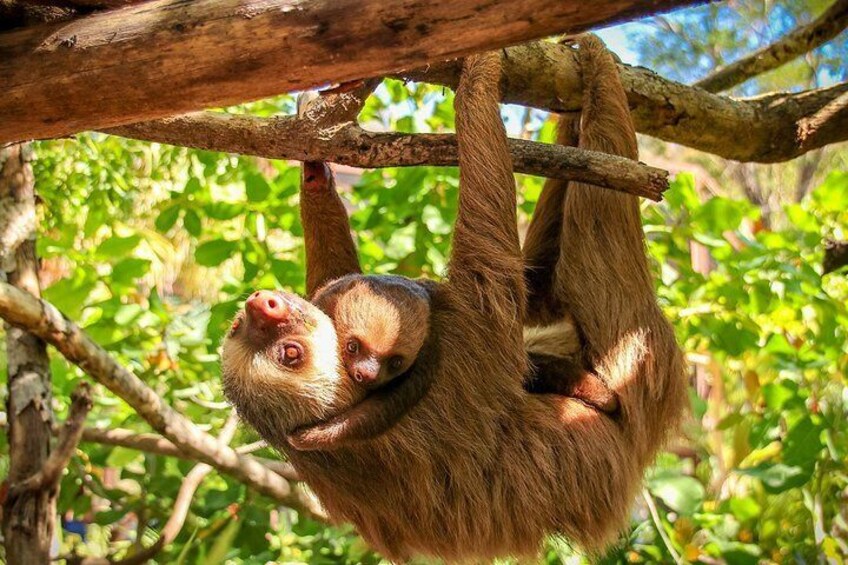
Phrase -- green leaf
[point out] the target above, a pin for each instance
(129, 270)
(779, 393)
(108, 517)
(167, 218)
(120, 457)
(223, 210)
(127, 313)
(192, 224)
(745, 508)
(803, 443)
(257, 188)
(118, 246)
(777, 477)
(213, 253)
(682, 494)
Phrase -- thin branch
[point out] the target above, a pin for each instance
(158, 445)
(182, 503)
(655, 516)
(69, 436)
(348, 144)
(43, 320)
(794, 44)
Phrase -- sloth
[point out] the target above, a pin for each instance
(382, 322)
(480, 466)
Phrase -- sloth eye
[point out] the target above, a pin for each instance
(396, 363)
(291, 354)
(352, 346)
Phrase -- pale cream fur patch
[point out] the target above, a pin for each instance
(559, 339)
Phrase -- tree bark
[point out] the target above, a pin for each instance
(794, 44)
(163, 58)
(767, 129)
(348, 144)
(29, 516)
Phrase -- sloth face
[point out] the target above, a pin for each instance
(281, 366)
(381, 321)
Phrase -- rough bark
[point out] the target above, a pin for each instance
(163, 58)
(42, 319)
(766, 129)
(794, 44)
(348, 144)
(48, 477)
(28, 519)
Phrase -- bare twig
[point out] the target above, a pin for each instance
(43, 320)
(794, 44)
(69, 436)
(182, 503)
(655, 516)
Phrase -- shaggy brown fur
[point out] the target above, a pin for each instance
(382, 321)
(480, 468)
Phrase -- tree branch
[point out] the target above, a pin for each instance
(767, 129)
(69, 436)
(43, 320)
(794, 44)
(182, 503)
(162, 58)
(348, 144)
(154, 443)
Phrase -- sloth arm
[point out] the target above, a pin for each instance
(330, 251)
(375, 415)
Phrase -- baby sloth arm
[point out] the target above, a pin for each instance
(375, 415)
(566, 377)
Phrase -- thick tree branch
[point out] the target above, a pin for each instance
(43, 320)
(768, 129)
(28, 518)
(794, 44)
(348, 144)
(162, 58)
(69, 436)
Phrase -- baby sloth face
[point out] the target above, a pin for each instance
(381, 322)
(281, 366)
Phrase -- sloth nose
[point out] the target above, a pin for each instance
(266, 309)
(366, 372)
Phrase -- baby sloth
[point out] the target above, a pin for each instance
(381, 322)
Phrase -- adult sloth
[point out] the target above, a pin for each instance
(480, 467)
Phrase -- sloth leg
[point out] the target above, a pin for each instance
(541, 244)
(566, 377)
